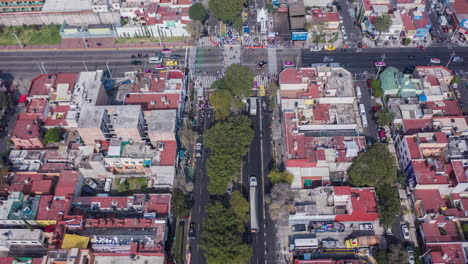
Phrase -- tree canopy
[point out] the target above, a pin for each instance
(221, 101)
(389, 205)
(375, 168)
(52, 136)
(280, 202)
(221, 239)
(228, 11)
(383, 23)
(240, 207)
(228, 141)
(277, 176)
(197, 12)
(385, 118)
(5, 100)
(181, 204)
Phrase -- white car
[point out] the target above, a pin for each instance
(108, 185)
(343, 28)
(253, 181)
(316, 48)
(341, 19)
(411, 259)
(345, 37)
(405, 231)
(435, 60)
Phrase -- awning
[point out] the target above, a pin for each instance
(307, 183)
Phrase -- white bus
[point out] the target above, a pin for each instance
(253, 205)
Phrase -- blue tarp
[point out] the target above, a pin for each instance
(247, 30)
(422, 98)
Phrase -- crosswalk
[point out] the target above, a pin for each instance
(204, 81)
(272, 62)
(261, 80)
(207, 41)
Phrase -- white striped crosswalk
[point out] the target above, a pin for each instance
(261, 80)
(204, 81)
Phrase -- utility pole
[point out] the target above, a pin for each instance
(39, 66)
(380, 67)
(17, 39)
(84, 40)
(84, 64)
(107, 65)
(451, 57)
(43, 67)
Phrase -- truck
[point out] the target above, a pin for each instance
(303, 243)
(363, 241)
(253, 106)
(253, 204)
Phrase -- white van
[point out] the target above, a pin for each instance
(155, 60)
(362, 110)
(358, 92)
(364, 120)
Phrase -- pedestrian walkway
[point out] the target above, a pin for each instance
(261, 80)
(231, 55)
(272, 62)
(204, 81)
(208, 42)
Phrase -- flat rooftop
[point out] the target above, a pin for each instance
(318, 201)
(162, 121)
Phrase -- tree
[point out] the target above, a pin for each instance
(280, 202)
(194, 28)
(220, 239)
(238, 80)
(407, 41)
(381, 256)
(228, 141)
(197, 12)
(5, 100)
(397, 255)
(123, 186)
(456, 79)
(226, 10)
(383, 24)
(375, 168)
(52, 136)
(221, 101)
(182, 205)
(277, 176)
(389, 205)
(240, 206)
(385, 118)
(376, 88)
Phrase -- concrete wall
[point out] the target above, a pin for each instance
(75, 19)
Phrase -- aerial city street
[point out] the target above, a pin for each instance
(234, 131)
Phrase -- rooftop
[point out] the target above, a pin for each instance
(162, 121)
(26, 128)
(66, 6)
(152, 101)
(26, 209)
(52, 207)
(433, 230)
(428, 201)
(66, 183)
(42, 84)
(450, 253)
(445, 108)
(431, 171)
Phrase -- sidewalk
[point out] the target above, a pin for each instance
(97, 44)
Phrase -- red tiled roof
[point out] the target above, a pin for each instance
(459, 172)
(293, 76)
(36, 106)
(432, 233)
(41, 84)
(58, 121)
(168, 156)
(26, 128)
(66, 183)
(431, 200)
(54, 167)
(413, 126)
(451, 253)
(460, 7)
(425, 173)
(342, 190)
(11, 260)
(105, 202)
(408, 22)
(364, 205)
(301, 163)
(321, 112)
(448, 108)
(413, 147)
(327, 17)
(52, 209)
(152, 101)
(161, 203)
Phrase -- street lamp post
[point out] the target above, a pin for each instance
(107, 65)
(42, 63)
(380, 67)
(17, 39)
(84, 64)
(84, 40)
(451, 57)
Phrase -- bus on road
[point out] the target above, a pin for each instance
(253, 204)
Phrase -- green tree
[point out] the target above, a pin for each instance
(220, 239)
(385, 118)
(389, 205)
(5, 100)
(123, 186)
(197, 12)
(456, 79)
(226, 10)
(377, 92)
(221, 101)
(397, 255)
(381, 256)
(228, 141)
(194, 28)
(181, 204)
(52, 135)
(240, 206)
(375, 168)
(277, 176)
(238, 79)
(383, 24)
(407, 41)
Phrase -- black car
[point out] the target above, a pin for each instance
(192, 231)
(136, 62)
(99, 44)
(298, 228)
(175, 57)
(409, 70)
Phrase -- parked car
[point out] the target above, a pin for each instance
(166, 50)
(316, 48)
(136, 62)
(288, 64)
(366, 226)
(343, 28)
(435, 60)
(411, 259)
(91, 183)
(192, 231)
(345, 37)
(327, 59)
(380, 64)
(299, 228)
(458, 94)
(405, 231)
(108, 185)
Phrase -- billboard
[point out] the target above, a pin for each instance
(299, 36)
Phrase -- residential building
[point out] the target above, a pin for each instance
(10, 6)
(395, 83)
(23, 242)
(435, 81)
(26, 132)
(53, 86)
(330, 20)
